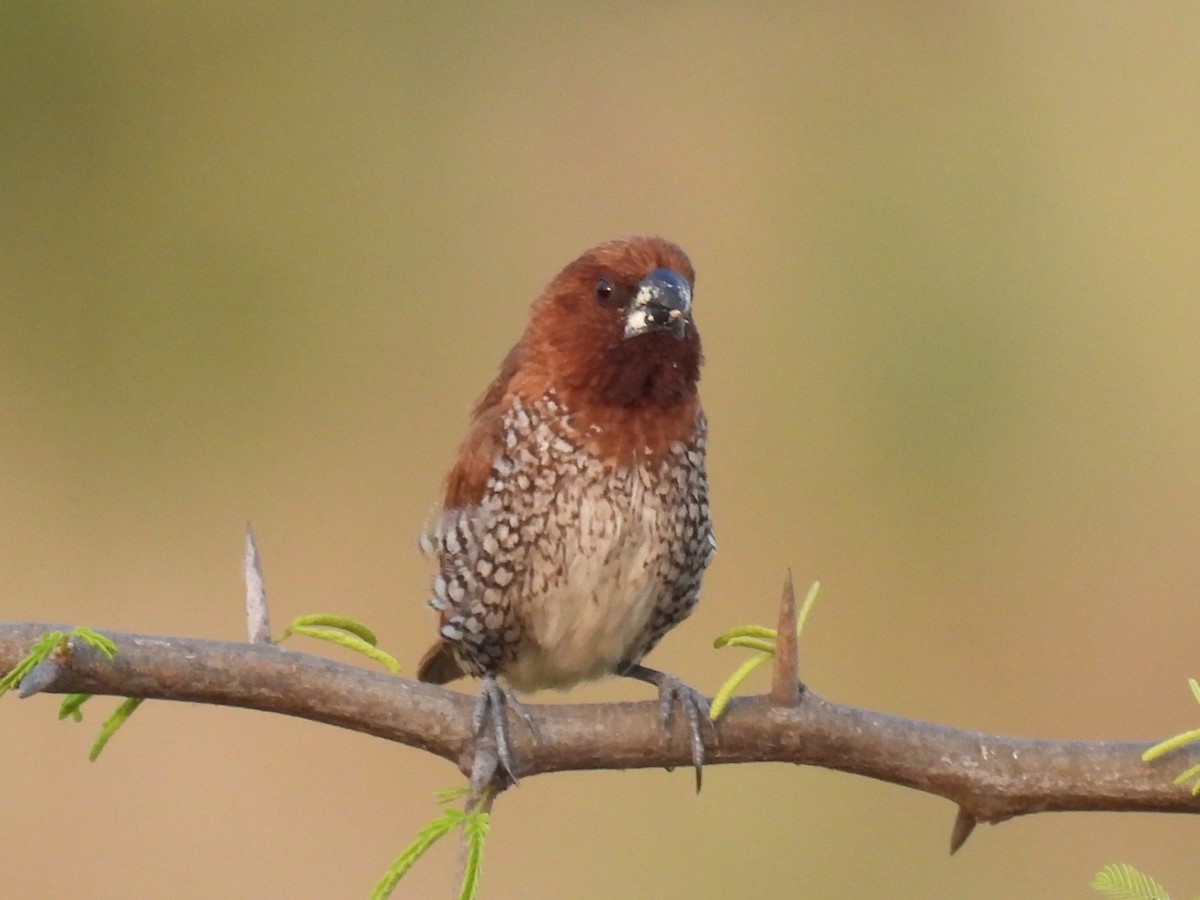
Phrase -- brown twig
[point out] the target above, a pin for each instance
(991, 777)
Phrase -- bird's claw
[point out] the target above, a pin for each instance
(671, 693)
(491, 713)
(695, 708)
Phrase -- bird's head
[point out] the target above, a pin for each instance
(615, 327)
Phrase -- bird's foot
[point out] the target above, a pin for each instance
(672, 692)
(491, 716)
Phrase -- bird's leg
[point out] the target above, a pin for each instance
(694, 705)
(491, 714)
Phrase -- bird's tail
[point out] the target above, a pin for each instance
(438, 665)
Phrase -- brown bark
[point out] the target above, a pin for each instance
(990, 777)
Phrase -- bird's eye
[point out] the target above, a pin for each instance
(604, 291)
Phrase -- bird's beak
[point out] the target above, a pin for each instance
(663, 302)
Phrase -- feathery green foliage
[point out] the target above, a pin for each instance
(95, 640)
(42, 648)
(1122, 881)
(475, 828)
(343, 631)
(761, 640)
(56, 642)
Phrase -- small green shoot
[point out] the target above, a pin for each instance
(42, 648)
(112, 723)
(54, 642)
(1179, 740)
(475, 828)
(343, 631)
(95, 640)
(70, 706)
(449, 795)
(1122, 881)
(761, 640)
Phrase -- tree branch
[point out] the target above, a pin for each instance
(989, 777)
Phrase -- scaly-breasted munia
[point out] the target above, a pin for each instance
(574, 528)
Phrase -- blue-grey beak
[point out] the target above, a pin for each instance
(663, 302)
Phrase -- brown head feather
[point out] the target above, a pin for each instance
(626, 397)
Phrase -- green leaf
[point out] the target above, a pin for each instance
(475, 828)
(47, 644)
(96, 640)
(343, 631)
(350, 642)
(1171, 743)
(760, 639)
(449, 795)
(112, 723)
(810, 600)
(42, 647)
(1122, 881)
(750, 631)
(726, 691)
(70, 706)
(330, 620)
(426, 838)
(1187, 775)
(762, 645)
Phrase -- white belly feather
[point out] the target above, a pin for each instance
(588, 621)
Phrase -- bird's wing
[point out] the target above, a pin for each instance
(464, 489)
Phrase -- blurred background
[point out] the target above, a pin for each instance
(258, 259)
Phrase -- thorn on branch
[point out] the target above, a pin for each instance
(43, 676)
(258, 622)
(785, 678)
(964, 824)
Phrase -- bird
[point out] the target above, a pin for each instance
(574, 527)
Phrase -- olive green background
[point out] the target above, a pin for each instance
(257, 259)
